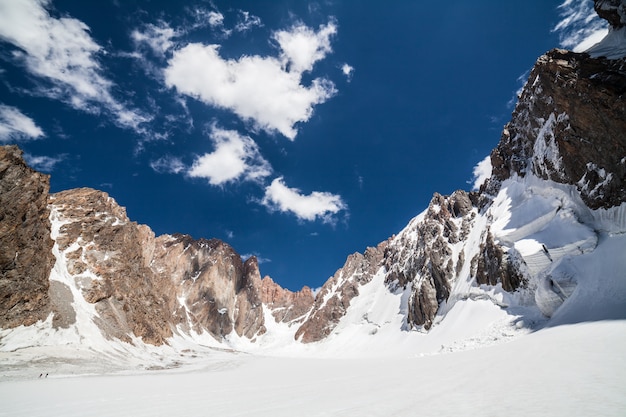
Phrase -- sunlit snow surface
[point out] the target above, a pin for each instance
(574, 370)
(489, 353)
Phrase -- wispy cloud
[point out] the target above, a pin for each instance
(168, 165)
(247, 21)
(266, 91)
(63, 57)
(157, 37)
(317, 205)
(43, 163)
(580, 27)
(16, 126)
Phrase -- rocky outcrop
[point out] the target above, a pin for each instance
(568, 127)
(109, 258)
(150, 286)
(614, 11)
(333, 300)
(287, 306)
(217, 291)
(25, 245)
(423, 255)
(493, 265)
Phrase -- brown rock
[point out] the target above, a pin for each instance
(422, 255)
(569, 127)
(333, 300)
(129, 298)
(25, 246)
(287, 306)
(492, 266)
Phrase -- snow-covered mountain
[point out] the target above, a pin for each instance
(542, 243)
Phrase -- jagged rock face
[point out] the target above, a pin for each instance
(139, 285)
(287, 306)
(614, 11)
(109, 257)
(492, 265)
(569, 127)
(422, 256)
(333, 300)
(149, 286)
(218, 291)
(25, 245)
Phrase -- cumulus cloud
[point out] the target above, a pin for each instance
(301, 47)
(482, 171)
(16, 126)
(266, 91)
(580, 27)
(43, 163)
(317, 205)
(61, 53)
(235, 157)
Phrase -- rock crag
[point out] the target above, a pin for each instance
(25, 244)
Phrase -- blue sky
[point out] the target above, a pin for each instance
(296, 131)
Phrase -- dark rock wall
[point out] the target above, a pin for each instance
(25, 245)
(570, 127)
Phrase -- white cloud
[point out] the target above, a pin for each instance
(157, 37)
(61, 52)
(347, 70)
(235, 157)
(209, 17)
(317, 205)
(580, 27)
(168, 164)
(43, 163)
(482, 171)
(255, 88)
(301, 47)
(247, 21)
(16, 126)
(215, 19)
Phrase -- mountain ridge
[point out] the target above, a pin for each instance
(556, 194)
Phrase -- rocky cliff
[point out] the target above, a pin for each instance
(134, 284)
(569, 128)
(25, 244)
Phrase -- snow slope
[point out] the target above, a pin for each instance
(574, 370)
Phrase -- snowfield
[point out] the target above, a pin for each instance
(489, 352)
(573, 370)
